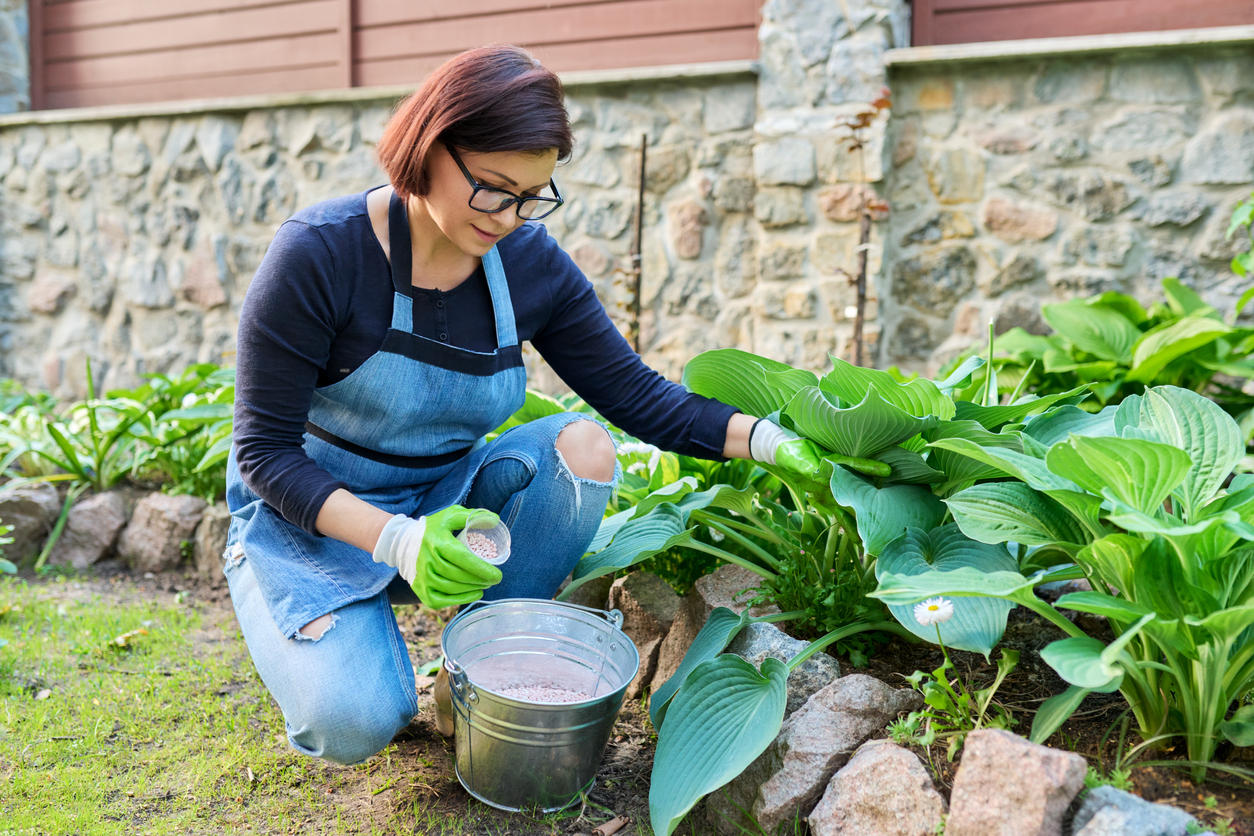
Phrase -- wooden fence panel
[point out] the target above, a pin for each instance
(974, 21)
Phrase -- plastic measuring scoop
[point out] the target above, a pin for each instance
(486, 524)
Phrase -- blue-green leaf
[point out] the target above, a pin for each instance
(884, 514)
(920, 397)
(717, 632)
(1140, 473)
(741, 379)
(993, 417)
(724, 717)
(998, 512)
(860, 430)
(1099, 331)
(1055, 711)
(1161, 345)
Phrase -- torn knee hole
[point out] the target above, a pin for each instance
(316, 629)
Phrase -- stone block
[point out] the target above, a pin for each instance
(31, 510)
(1153, 170)
(91, 530)
(649, 607)
(209, 541)
(595, 593)
(935, 281)
(779, 206)
(1223, 154)
(735, 267)
(1023, 269)
(1160, 80)
(835, 253)
(215, 137)
(1096, 196)
(1017, 221)
(1175, 208)
(785, 162)
(796, 301)
(855, 69)
(734, 194)
(842, 203)
(883, 791)
(1098, 246)
(756, 642)
(62, 157)
(1142, 130)
(1022, 311)
(729, 587)
(155, 539)
(1007, 786)
(1070, 82)
(730, 108)
(50, 291)
(1010, 139)
(1068, 148)
(942, 226)
(687, 225)
(781, 260)
(788, 779)
(1106, 811)
(956, 174)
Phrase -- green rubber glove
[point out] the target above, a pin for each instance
(770, 443)
(442, 571)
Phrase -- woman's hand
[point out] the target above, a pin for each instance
(770, 443)
(442, 571)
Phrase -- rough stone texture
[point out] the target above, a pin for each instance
(91, 530)
(1016, 222)
(1007, 786)
(31, 510)
(1106, 811)
(14, 61)
(727, 587)
(649, 607)
(209, 541)
(789, 777)
(883, 791)
(758, 641)
(594, 593)
(161, 525)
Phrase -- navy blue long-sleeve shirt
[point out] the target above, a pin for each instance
(320, 305)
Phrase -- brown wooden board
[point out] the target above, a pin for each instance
(976, 21)
(81, 14)
(281, 81)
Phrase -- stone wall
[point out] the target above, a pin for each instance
(1022, 181)
(14, 62)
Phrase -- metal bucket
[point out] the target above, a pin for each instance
(518, 754)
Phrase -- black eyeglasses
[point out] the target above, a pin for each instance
(490, 201)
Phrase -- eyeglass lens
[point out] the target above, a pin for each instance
(491, 200)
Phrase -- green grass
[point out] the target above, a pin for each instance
(156, 737)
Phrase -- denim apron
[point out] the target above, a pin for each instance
(414, 413)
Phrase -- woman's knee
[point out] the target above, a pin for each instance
(587, 450)
(347, 731)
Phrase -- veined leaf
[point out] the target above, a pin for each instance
(1099, 331)
(1240, 729)
(963, 581)
(1099, 603)
(1055, 425)
(725, 716)
(920, 397)
(1120, 303)
(1055, 711)
(1113, 560)
(992, 417)
(908, 467)
(717, 632)
(1026, 468)
(857, 431)
(1198, 426)
(977, 623)
(960, 469)
(1083, 660)
(662, 528)
(1184, 301)
(997, 512)
(884, 514)
(1226, 625)
(739, 378)
(960, 376)
(1140, 473)
(1165, 343)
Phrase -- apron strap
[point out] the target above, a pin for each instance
(402, 253)
(502, 307)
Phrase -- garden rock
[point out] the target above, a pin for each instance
(595, 593)
(726, 587)
(755, 642)
(161, 524)
(91, 530)
(649, 606)
(1107, 811)
(31, 510)
(210, 541)
(1007, 786)
(787, 779)
(883, 791)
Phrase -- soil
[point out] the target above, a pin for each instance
(424, 785)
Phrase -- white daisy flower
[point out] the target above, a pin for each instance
(933, 611)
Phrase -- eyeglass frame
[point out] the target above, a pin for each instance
(516, 200)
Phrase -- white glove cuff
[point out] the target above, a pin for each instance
(764, 440)
(399, 542)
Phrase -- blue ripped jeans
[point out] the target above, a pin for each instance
(346, 694)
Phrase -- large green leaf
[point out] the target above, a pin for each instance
(1184, 301)
(997, 512)
(1120, 303)
(717, 632)
(662, 528)
(977, 623)
(962, 470)
(884, 514)
(1113, 560)
(995, 416)
(961, 582)
(857, 431)
(1240, 729)
(1198, 426)
(1087, 663)
(724, 717)
(961, 376)
(740, 379)
(1139, 472)
(908, 467)
(1026, 468)
(1225, 624)
(1099, 331)
(920, 397)
(1055, 425)
(1160, 346)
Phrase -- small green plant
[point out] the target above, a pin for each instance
(951, 710)
(1220, 827)
(6, 566)
(1120, 779)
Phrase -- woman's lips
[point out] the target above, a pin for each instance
(485, 236)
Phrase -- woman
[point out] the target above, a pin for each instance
(378, 344)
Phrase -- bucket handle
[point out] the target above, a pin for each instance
(614, 617)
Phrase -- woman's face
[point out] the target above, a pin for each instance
(448, 201)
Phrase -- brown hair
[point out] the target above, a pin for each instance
(493, 98)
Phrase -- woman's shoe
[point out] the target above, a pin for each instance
(443, 703)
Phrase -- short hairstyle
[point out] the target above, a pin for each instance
(493, 98)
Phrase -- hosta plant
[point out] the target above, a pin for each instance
(1140, 499)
